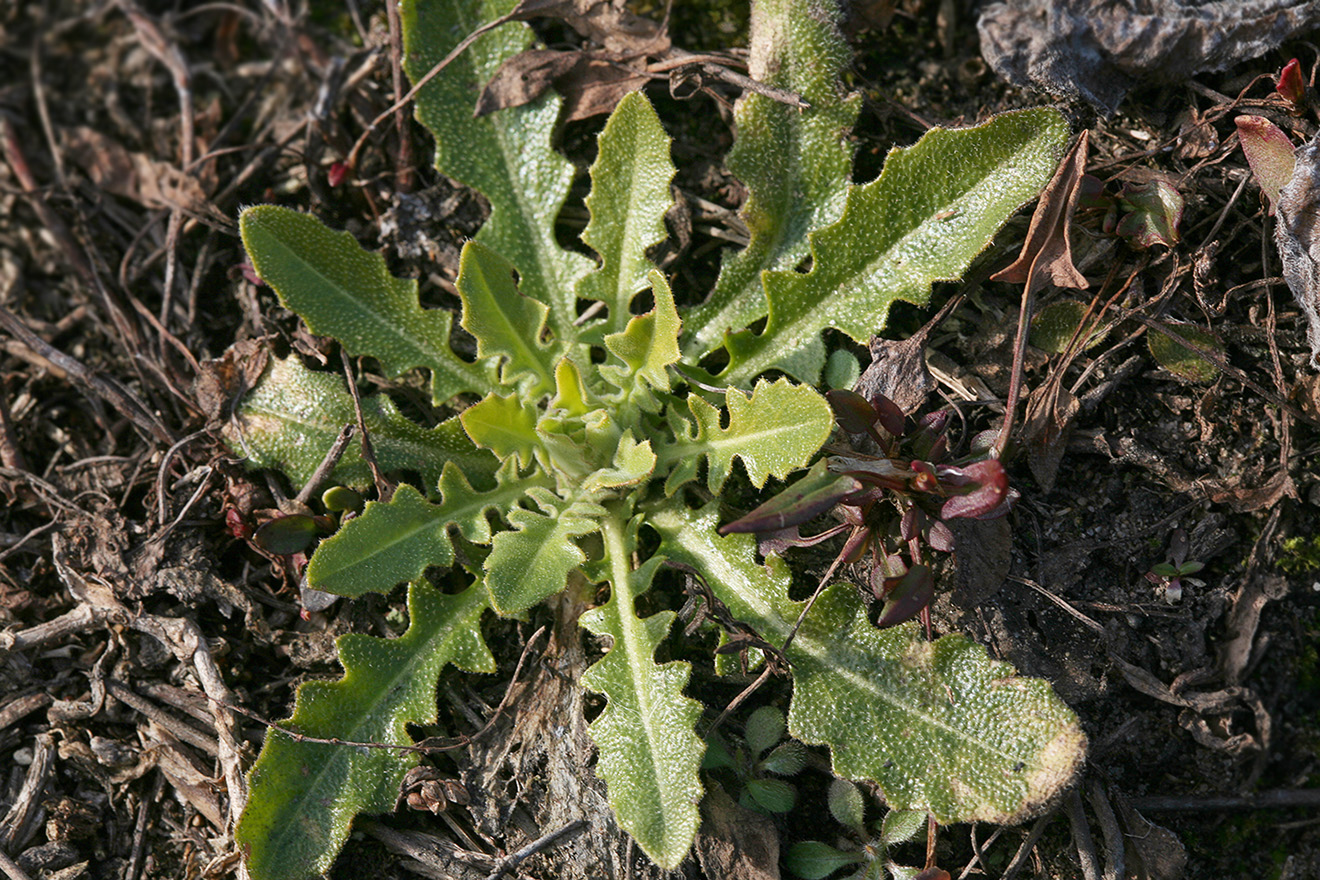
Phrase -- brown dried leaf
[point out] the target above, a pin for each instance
(1297, 237)
(591, 83)
(1154, 852)
(132, 176)
(524, 78)
(596, 86)
(227, 378)
(1051, 410)
(1047, 251)
(898, 371)
(607, 22)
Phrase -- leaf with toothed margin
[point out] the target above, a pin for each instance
(505, 323)
(650, 754)
(938, 726)
(293, 415)
(647, 348)
(342, 290)
(934, 207)
(775, 430)
(795, 162)
(507, 156)
(628, 200)
(303, 795)
(396, 541)
(532, 561)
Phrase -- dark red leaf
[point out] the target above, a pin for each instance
(990, 486)
(806, 499)
(853, 412)
(905, 596)
(941, 538)
(1291, 87)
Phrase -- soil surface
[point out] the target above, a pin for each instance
(146, 640)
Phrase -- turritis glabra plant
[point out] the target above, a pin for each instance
(591, 458)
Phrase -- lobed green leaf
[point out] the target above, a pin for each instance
(396, 541)
(628, 200)
(506, 156)
(795, 163)
(532, 561)
(293, 415)
(934, 207)
(342, 290)
(505, 323)
(303, 795)
(649, 751)
(938, 726)
(774, 431)
(647, 347)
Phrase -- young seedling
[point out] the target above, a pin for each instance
(868, 856)
(1168, 575)
(756, 765)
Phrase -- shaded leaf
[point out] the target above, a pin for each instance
(1155, 210)
(763, 729)
(1180, 360)
(905, 596)
(794, 163)
(1055, 325)
(813, 860)
(846, 804)
(286, 535)
(291, 419)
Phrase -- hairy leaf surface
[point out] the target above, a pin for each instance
(795, 163)
(396, 541)
(629, 197)
(342, 290)
(533, 560)
(775, 430)
(506, 156)
(937, 725)
(649, 751)
(291, 419)
(505, 323)
(304, 795)
(934, 207)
